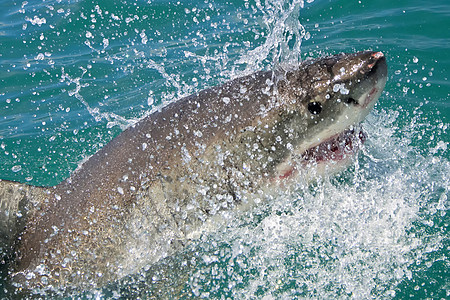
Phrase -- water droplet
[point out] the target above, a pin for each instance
(16, 168)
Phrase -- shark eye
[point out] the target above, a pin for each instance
(315, 108)
(351, 100)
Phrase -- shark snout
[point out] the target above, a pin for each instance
(377, 65)
(369, 83)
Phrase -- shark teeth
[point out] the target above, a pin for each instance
(336, 148)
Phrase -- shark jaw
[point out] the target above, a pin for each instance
(336, 148)
(328, 157)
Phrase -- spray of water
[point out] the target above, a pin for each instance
(285, 33)
(359, 234)
(354, 235)
(112, 118)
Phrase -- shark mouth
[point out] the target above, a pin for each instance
(335, 148)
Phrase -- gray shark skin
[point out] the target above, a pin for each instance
(145, 194)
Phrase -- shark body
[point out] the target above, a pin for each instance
(142, 196)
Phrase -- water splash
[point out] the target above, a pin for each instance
(360, 234)
(355, 235)
(112, 118)
(285, 34)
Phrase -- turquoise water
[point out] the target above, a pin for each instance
(73, 74)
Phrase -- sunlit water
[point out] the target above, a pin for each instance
(74, 74)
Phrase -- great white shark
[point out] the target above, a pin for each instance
(162, 179)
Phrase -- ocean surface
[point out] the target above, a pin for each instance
(74, 74)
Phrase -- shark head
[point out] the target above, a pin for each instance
(328, 98)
